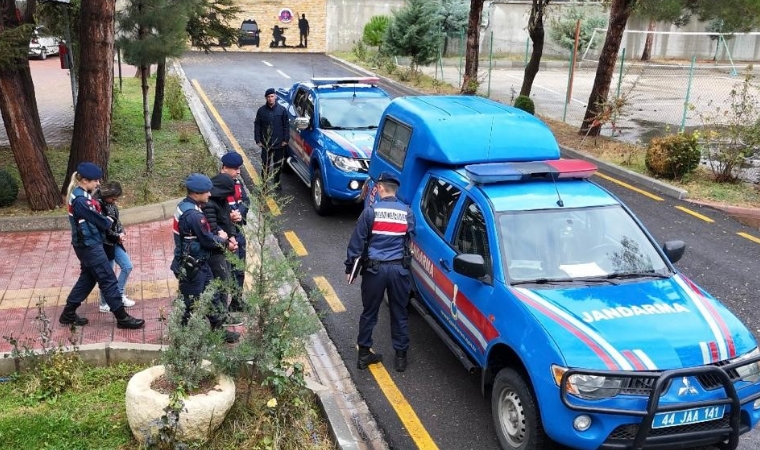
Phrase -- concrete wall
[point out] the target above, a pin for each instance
(508, 20)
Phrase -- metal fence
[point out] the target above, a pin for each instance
(658, 96)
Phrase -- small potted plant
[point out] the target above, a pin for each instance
(187, 396)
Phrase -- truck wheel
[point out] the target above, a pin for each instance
(322, 204)
(515, 414)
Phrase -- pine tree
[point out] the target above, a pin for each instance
(415, 32)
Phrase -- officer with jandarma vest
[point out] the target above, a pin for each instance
(381, 240)
(193, 243)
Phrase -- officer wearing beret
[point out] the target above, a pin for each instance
(271, 131)
(88, 232)
(193, 243)
(239, 205)
(381, 237)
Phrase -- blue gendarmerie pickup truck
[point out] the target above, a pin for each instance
(333, 122)
(580, 327)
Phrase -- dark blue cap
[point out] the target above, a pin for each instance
(387, 177)
(233, 160)
(89, 170)
(269, 92)
(198, 183)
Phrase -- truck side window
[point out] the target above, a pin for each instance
(438, 203)
(471, 235)
(394, 141)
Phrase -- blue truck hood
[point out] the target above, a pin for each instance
(351, 143)
(649, 325)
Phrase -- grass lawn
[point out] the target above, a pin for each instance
(179, 150)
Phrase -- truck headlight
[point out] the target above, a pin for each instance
(749, 372)
(343, 163)
(587, 386)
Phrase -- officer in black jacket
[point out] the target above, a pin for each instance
(381, 237)
(217, 211)
(271, 131)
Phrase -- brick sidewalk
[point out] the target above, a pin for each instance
(42, 265)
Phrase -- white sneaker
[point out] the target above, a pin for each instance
(127, 302)
(104, 308)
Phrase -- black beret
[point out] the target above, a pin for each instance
(269, 92)
(89, 170)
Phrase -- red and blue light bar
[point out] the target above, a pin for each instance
(534, 170)
(324, 81)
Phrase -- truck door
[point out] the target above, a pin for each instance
(303, 141)
(472, 303)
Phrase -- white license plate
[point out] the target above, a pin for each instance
(688, 416)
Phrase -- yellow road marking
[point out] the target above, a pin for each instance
(628, 186)
(403, 409)
(695, 214)
(330, 296)
(749, 236)
(295, 243)
(273, 207)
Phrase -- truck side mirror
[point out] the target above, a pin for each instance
(674, 250)
(470, 265)
(301, 123)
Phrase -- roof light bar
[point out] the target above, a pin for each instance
(524, 171)
(344, 80)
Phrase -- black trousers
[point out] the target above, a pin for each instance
(396, 280)
(271, 163)
(95, 269)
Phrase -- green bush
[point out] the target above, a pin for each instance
(673, 156)
(360, 51)
(525, 103)
(8, 189)
(175, 98)
(375, 29)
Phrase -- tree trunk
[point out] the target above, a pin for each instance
(92, 119)
(620, 10)
(646, 55)
(18, 108)
(158, 98)
(536, 33)
(145, 71)
(470, 79)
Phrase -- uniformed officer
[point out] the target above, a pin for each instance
(193, 242)
(239, 205)
(381, 237)
(88, 231)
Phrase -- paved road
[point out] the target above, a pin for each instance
(445, 402)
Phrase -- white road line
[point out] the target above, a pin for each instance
(283, 74)
(547, 89)
(267, 63)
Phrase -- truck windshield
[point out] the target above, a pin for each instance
(576, 244)
(351, 112)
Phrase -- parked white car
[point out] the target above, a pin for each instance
(43, 43)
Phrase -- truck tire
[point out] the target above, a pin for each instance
(515, 414)
(320, 201)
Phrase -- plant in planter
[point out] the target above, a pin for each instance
(189, 394)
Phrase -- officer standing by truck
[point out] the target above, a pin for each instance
(381, 238)
(271, 130)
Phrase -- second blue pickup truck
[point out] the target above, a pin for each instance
(333, 122)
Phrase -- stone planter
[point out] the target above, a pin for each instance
(202, 414)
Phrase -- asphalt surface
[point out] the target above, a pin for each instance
(445, 401)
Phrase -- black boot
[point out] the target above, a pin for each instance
(69, 316)
(400, 362)
(367, 357)
(124, 320)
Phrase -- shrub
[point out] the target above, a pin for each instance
(673, 156)
(360, 50)
(375, 29)
(525, 103)
(8, 188)
(175, 98)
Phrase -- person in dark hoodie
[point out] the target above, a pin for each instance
(217, 211)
